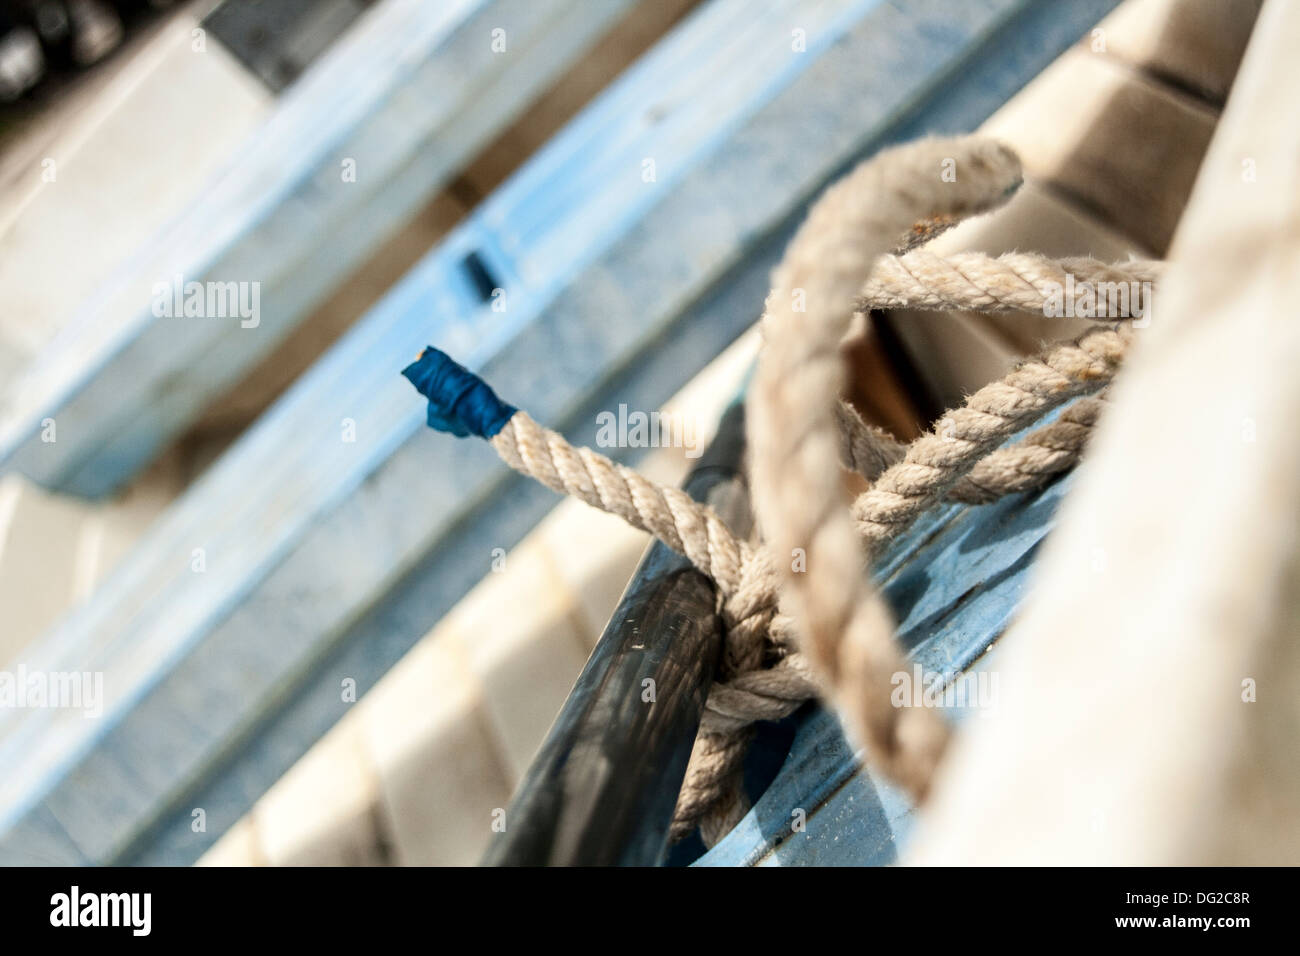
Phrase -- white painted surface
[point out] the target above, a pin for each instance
(149, 143)
(1124, 734)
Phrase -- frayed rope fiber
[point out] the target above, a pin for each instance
(460, 402)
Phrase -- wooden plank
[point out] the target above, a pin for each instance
(277, 41)
(231, 412)
(147, 123)
(628, 39)
(527, 662)
(326, 811)
(238, 847)
(55, 549)
(603, 787)
(441, 769)
(820, 766)
(39, 536)
(327, 558)
(1154, 676)
(1121, 147)
(352, 148)
(1194, 45)
(956, 352)
(620, 45)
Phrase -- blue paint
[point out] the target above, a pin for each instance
(460, 402)
(123, 383)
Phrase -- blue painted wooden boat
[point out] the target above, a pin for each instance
(618, 288)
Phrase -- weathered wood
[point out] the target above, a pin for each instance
(153, 121)
(628, 39)
(603, 787)
(1194, 45)
(327, 558)
(1086, 169)
(35, 587)
(1121, 146)
(954, 581)
(352, 148)
(1153, 681)
(619, 46)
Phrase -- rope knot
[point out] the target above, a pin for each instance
(823, 628)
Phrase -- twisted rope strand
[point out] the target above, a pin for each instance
(1024, 466)
(1034, 460)
(669, 514)
(776, 692)
(864, 448)
(711, 797)
(939, 459)
(1013, 282)
(845, 628)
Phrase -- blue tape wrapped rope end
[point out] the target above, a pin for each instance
(460, 402)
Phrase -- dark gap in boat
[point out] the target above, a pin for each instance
(924, 399)
(480, 276)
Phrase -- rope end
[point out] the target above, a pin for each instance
(460, 403)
